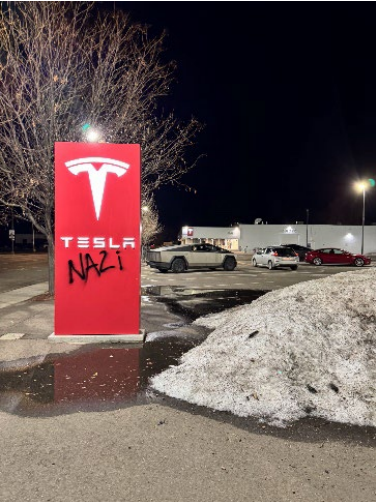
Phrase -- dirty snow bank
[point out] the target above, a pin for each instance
(304, 350)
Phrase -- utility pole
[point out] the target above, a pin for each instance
(33, 234)
(12, 236)
(307, 219)
(363, 218)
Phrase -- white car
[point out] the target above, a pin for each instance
(276, 256)
(184, 257)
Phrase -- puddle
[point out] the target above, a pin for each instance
(193, 303)
(95, 380)
(109, 377)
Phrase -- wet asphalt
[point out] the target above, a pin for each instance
(94, 378)
(104, 378)
(80, 423)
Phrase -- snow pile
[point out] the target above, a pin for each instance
(304, 350)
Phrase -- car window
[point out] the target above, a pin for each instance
(337, 251)
(285, 252)
(211, 248)
(325, 251)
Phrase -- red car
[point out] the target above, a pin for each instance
(335, 256)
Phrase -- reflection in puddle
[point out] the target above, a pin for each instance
(99, 379)
(96, 380)
(102, 374)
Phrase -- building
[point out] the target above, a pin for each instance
(249, 237)
(227, 237)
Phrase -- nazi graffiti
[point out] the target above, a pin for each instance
(87, 266)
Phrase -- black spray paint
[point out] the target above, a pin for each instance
(86, 263)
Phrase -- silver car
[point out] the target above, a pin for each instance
(181, 258)
(275, 256)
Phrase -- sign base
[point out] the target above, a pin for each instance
(93, 339)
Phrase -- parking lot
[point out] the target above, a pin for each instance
(22, 270)
(245, 276)
(145, 433)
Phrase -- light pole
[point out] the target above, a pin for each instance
(307, 218)
(13, 237)
(362, 186)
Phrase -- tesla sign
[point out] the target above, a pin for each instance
(97, 239)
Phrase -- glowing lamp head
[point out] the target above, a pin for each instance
(361, 186)
(92, 136)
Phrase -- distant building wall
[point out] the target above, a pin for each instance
(248, 237)
(210, 232)
(347, 237)
(227, 237)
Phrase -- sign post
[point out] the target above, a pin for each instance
(97, 242)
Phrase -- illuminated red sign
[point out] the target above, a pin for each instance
(190, 232)
(97, 239)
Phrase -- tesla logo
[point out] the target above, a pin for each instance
(97, 177)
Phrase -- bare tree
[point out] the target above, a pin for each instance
(63, 65)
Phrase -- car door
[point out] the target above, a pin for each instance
(199, 256)
(214, 256)
(258, 255)
(327, 256)
(340, 257)
(265, 256)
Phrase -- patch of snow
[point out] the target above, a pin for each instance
(309, 349)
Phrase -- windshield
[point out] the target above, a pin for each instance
(285, 252)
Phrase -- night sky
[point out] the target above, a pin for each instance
(287, 93)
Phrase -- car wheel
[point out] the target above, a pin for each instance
(317, 261)
(270, 265)
(163, 270)
(254, 262)
(294, 267)
(178, 266)
(358, 262)
(229, 264)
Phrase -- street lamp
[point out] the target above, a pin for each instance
(92, 134)
(362, 186)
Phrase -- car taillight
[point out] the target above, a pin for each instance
(275, 253)
(296, 254)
